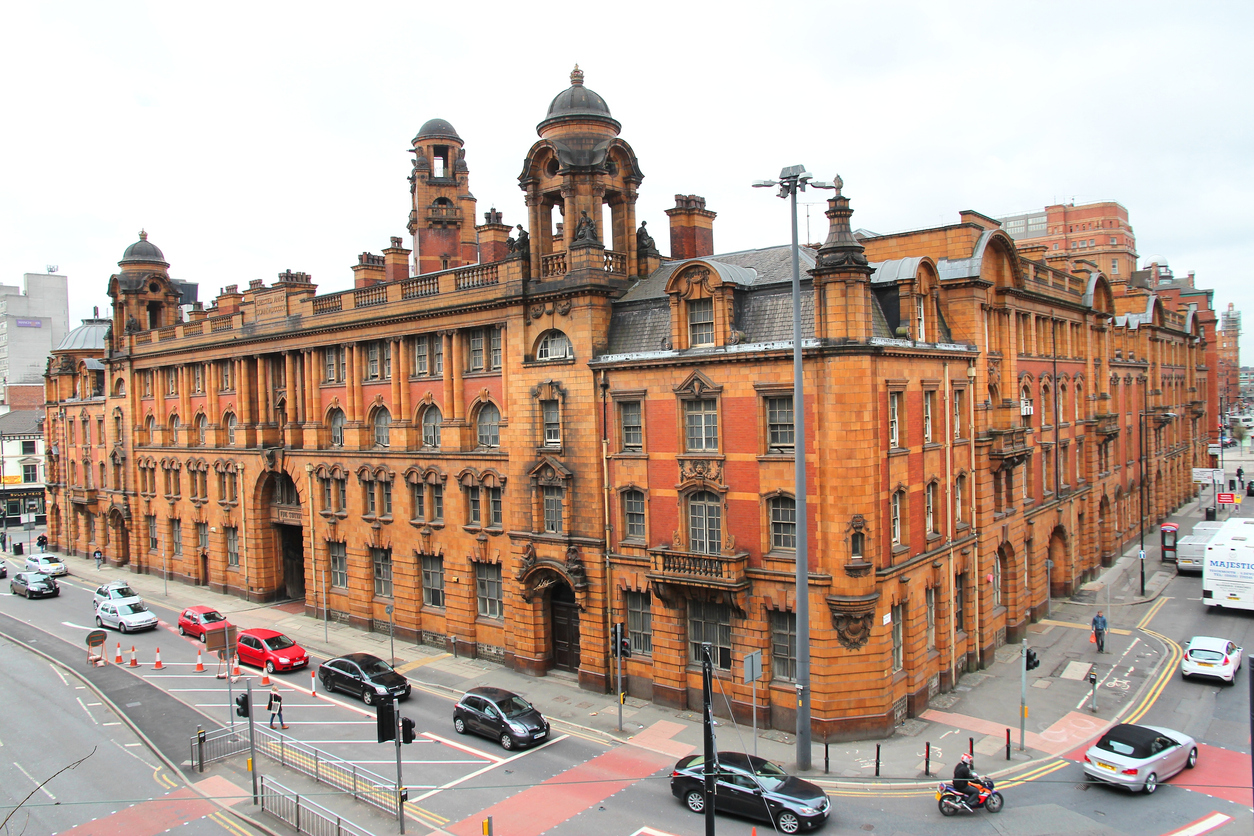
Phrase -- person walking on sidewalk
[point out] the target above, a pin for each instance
(275, 706)
(99, 555)
(1099, 631)
(1241, 476)
(42, 542)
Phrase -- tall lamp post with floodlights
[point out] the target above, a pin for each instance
(793, 179)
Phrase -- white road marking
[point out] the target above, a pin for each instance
(57, 671)
(77, 626)
(487, 768)
(33, 781)
(470, 750)
(80, 702)
(1202, 825)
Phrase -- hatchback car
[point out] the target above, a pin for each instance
(753, 787)
(112, 591)
(271, 650)
(47, 564)
(1139, 757)
(34, 585)
(197, 621)
(363, 675)
(1209, 656)
(126, 615)
(500, 715)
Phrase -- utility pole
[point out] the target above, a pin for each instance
(1023, 692)
(400, 783)
(707, 702)
(252, 739)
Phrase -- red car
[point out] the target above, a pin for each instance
(196, 621)
(271, 650)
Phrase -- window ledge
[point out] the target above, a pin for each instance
(900, 548)
(897, 451)
(931, 445)
(778, 456)
(629, 454)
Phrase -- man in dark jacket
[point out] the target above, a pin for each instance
(963, 773)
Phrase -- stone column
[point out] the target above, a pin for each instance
(396, 345)
(404, 367)
(504, 371)
(447, 338)
(352, 386)
(459, 383)
(289, 389)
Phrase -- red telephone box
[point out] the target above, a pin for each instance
(1168, 533)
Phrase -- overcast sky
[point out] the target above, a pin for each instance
(256, 137)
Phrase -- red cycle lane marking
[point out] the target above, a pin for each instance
(544, 806)
(148, 818)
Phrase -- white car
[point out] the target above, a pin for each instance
(47, 564)
(113, 591)
(127, 615)
(1209, 656)
(1139, 757)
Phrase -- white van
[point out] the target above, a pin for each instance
(1191, 551)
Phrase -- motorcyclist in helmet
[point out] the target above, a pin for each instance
(963, 773)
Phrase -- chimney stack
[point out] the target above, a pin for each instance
(692, 227)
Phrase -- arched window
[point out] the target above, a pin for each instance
(150, 430)
(783, 511)
(431, 421)
(174, 429)
(489, 426)
(382, 426)
(633, 515)
(202, 425)
(336, 420)
(1079, 396)
(555, 345)
(1025, 406)
(230, 427)
(705, 523)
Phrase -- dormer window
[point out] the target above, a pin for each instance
(700, 322)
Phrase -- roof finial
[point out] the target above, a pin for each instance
(576, 77)
(143, 236)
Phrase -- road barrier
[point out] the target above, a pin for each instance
(303, 815)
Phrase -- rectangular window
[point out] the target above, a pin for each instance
(472, 501)
(342, 485)
(702, 424)
(960, 623)
(896, 518)
(783, 523)
(437, 503)
(30, 473)
(226, 375)
(386, 489)
(488, 589)
(997, 579)
(176, 537)
(437, 354)
(639, 621)
(898, 613)
(709, 621)
(633, 511)
(784, 646)
(552, 423)
(957, 413)
(920, 327)
(894, 408)
(420, 355)
(928, 399)
(198, 378)
(418, 495)
(152, 532)
(28, 447)
(553, 496)
(433, 580)
(496, 513)
(779, 422)
(959, 484)
(632, 428)
(701, 322)
(1114, 267)
(929, 510)
(931, 618)
(338, 552)
(331, 357)
(476, 351)
(202, 537)
(372, 360)
(232, 546)
(494, 348)
(382, 561)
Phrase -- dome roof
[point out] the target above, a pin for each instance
(90, 336)
(437, 129)
(143, 251)
(577, 101)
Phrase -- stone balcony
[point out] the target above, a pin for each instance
(711, 571)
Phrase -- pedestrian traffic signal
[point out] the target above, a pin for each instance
(386, 721)
(407, 730)
(1032, 662)
(241, 705)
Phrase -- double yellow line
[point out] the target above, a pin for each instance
(1174, 655)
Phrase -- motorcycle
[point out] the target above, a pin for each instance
(950, 800)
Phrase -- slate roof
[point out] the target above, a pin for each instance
(90, 336)
(21, 422)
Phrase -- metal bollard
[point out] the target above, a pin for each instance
(971, 746)
(877, 760)
(927, 758)
(1007, 744)
(827, 762)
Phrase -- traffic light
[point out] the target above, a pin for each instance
(1033, 662)
(407, 730)
(386, 721)
(241, 705)
(622, 645)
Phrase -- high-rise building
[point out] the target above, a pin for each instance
(1094, 232)
(33, 320)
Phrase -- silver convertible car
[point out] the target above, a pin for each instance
(1139, 757)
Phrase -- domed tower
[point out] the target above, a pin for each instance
(144, 297)
(581, 168)
(442, 218)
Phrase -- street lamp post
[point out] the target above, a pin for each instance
(793, 179)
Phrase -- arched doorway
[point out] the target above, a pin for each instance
(1058, 567)
(564, 626)
(119, 538)
(286, 520)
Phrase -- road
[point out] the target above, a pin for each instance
(581, 783)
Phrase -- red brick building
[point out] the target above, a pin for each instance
(572, 430)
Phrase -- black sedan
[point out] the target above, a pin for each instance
(500, 715)
(752, 787)
(363, 675)
(34, 585)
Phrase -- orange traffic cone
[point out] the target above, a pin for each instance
(265, 678)
(158, 666)
(133, 664)
(235, 667)
(118, 660)
(200, 663)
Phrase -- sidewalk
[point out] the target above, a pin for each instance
(976, 713)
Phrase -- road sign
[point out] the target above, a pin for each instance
(1214, 450)
(1227, 499)
(1207, 475)
(753, 666)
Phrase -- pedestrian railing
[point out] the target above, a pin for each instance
(323, 767)
(303, 815)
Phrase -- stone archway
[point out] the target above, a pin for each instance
(120, 537)
(1058, 566)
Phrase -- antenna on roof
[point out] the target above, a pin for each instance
(52, 268)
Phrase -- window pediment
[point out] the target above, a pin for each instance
(698, 386)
